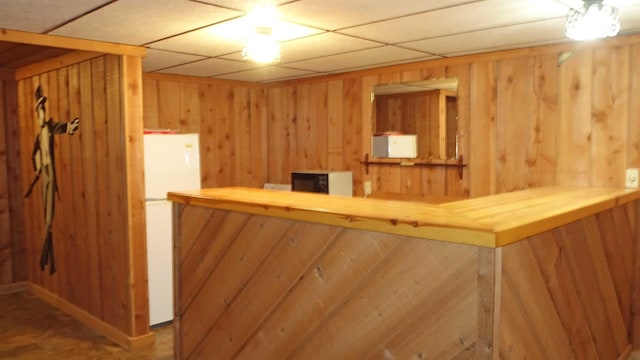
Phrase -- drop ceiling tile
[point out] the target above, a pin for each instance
(337, 14)
(516, 36)
(244, 5)
(224, 38)
(453, 20)
(210, 67)
(142, 21)
(358, 59)
(27, 15)
(158, 59)
(322, 45)
(264, 74)
(208, 41)
(314, 46)
(630, 18)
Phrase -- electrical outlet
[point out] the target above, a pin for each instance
(631, 178)
(367, 188)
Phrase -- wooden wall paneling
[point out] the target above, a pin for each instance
(455, 185)
(208, 144)
(583, 273)
(189, 107)
(605, 283)
(251, 246)
(336, 135)
(512, 124)
(242, 138)
(81, 239)
(448, 331)
(169, 104)
(366, 126)
(301, 129)
(482, 130)
(91, 162)
(212, 240)
(6, 241)
(375, 305)
(293, 254)
(610, 110)
(25, 146)
(543, 117)
(624, 235)
(527, 305)
(356, 113)
(277, 135)
(618, 241)
(14, 135)
(258, 146)
(288, 126)
(433, 180)
(633, 210)
(411, 179)
(65, 241)
(132, 111)
(117, 264)
(575, 130)
(326, 284)
(151, 116)
(319, 114)
(224, 131)
(553, 265)
(105, 186)
(633, 127)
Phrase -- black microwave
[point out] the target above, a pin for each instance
(320, 181)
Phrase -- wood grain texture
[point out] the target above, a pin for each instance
(6, 242)
(99, 223)
(285, 288)
(491, 221)
(525, 120)
(281, 288)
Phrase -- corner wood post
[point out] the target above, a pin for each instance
(489, 289)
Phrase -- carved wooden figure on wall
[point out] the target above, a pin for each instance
(44, 165)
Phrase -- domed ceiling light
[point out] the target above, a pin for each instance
(261, 42)
(594, 20)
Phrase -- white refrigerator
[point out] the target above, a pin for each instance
(171, 163)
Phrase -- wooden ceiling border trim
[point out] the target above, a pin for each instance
(24, 37)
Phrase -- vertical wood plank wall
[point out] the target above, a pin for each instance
(98, 230)
(527, 119)
(11, 250)
(252, 286)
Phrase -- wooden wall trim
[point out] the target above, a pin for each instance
(54, 64)
(131, 343)
(131, 90)
(489, 280)
(24, 37)
(203, 80)
(14, 287)
(635, 294)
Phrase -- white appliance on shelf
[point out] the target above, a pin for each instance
(171, 163)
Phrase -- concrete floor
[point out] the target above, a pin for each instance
(32, 329)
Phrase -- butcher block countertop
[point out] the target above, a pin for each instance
(490, 221)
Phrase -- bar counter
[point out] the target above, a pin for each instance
(490, 221)
(548, 273)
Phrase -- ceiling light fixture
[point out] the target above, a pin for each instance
(594, 20)
(261, 42)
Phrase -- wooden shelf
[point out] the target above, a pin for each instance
(458, 164)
